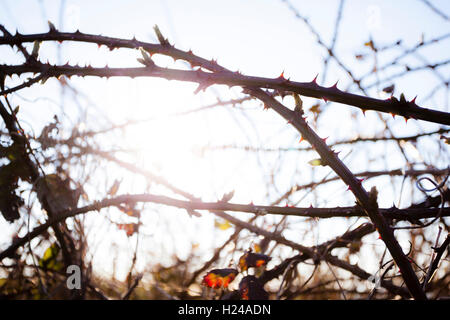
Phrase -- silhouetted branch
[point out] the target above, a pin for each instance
(205, 79)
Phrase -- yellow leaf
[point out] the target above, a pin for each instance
(36, 47)
(257, 248)
(114, 188)
(315, 108)
(298, 103)
(222, 225)
(370, 44)
(316, 162)
(51, 259)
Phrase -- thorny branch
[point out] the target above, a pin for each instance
(205, 79)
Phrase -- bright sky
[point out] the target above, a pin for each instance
(258, 37)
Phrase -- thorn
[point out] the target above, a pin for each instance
(301, 139)
(336, 153)
(406, 119)
(314, 81)
(325, 139)
(201, 87)
(364, 112)
(51, 26)
(245, 91)
(266, 107)
(193, 64)
(393, 115)
(325, 99)
(349, 188)
(335, 86)
(413, 101)
(99, 45)
(402, 98)
(282, 76)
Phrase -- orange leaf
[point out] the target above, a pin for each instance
(130, 228)
(250, 259)
(219, 278)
